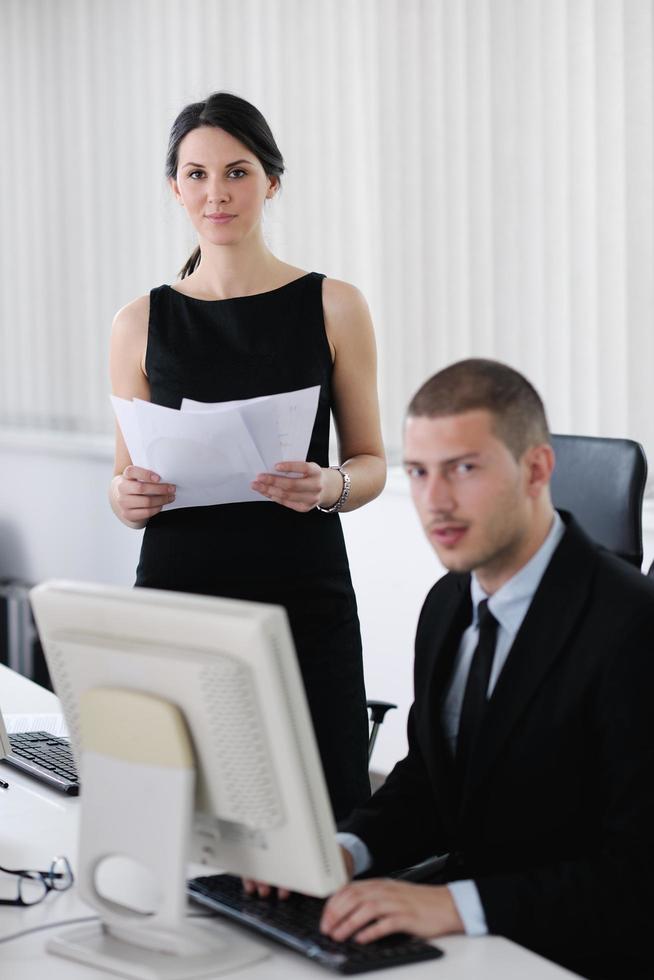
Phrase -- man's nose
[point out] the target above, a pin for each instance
(439, 493)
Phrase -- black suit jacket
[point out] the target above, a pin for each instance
(555, 823)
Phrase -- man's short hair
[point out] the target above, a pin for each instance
(518, 412)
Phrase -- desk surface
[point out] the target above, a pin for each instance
(36, 823)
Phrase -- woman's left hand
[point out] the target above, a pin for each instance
(301, 492)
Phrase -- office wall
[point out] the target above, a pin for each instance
(55, 522)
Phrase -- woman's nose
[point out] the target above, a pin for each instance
(218, 191)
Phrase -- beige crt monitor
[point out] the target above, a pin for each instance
(170, 696)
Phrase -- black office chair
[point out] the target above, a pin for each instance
(602, 481)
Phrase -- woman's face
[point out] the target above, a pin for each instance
(222, 185)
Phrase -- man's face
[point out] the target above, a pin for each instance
(473, 497)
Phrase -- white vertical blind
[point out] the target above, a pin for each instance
(482, 169)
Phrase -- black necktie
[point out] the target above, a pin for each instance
(474, 698)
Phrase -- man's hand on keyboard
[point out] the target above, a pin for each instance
(265, 891)
(371, 909)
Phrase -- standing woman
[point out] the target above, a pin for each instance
(237, 324)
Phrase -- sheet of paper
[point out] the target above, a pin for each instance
(55, 724)
(280, 425)
(211, 459)
(157, 441)
(212, 452)
(188, 405)
(126, 416)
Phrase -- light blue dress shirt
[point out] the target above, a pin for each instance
(509, 606)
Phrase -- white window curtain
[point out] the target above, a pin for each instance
(482, 169)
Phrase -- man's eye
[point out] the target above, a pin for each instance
(464, 469)
(414, 472)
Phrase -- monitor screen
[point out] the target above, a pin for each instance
(261, 805)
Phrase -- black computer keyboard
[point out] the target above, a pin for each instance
(295, 923)
(47, 757)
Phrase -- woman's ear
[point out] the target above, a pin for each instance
(273, 187)
(174, 186)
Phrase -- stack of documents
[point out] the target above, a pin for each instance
(212, 452)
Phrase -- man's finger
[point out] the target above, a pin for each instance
(339, 907)
(385, 926)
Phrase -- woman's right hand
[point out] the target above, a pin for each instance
(138, 494)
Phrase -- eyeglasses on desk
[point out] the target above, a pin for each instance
(32, 885)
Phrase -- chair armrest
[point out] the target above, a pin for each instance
(378, 710)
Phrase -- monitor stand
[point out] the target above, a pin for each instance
(138, 789)
(196, 952)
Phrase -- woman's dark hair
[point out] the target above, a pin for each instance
(241, 120)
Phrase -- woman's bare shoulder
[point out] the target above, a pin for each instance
(346, 312)
(132, 319)
(342, 297)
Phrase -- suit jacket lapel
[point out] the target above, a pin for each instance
(443, 634)
(453, 617)
(545, 630)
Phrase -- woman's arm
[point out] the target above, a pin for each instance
(354, 384)
(356, 413)
(135, 494)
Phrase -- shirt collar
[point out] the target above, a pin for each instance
(510, 603)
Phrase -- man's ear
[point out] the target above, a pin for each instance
(540, 466)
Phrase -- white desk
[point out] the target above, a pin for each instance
(37, 823)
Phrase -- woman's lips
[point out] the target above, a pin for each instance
(219, 218)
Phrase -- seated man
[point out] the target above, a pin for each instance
(531, 739)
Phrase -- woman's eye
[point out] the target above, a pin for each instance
(237, 172)
(196, 174)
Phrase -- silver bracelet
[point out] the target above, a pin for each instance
(345, 493)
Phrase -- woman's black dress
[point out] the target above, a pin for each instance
(228, 349)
